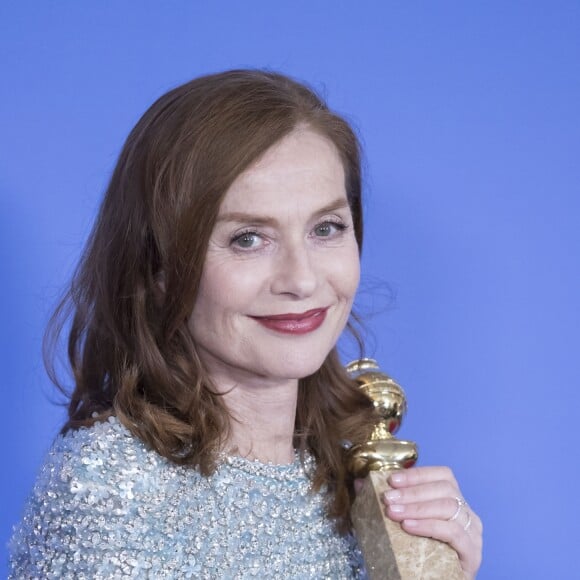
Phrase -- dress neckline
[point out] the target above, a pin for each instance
(255, 467)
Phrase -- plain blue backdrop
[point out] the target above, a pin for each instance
(469, 115)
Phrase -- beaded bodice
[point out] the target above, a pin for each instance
(106, 506)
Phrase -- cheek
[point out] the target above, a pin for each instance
(208, 304)
(346, 274)
(226, 290)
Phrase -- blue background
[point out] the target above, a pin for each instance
(470, 118)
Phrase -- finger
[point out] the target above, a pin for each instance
(420, 475)
(467, 546)
(441, 509)
(423, 492)
(466, 518)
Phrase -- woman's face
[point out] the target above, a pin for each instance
(282, 266)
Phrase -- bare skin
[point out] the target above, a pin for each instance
(284, 246)
(263, 420)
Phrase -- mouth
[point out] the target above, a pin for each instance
(294, 323)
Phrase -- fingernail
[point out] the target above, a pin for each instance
(397, 509)
(410, 523)
(392, 495)
(397, 478)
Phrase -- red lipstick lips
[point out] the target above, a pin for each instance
(294, 323)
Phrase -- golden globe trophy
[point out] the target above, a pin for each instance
(390, 552)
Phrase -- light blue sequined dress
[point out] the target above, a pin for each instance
(105, 506)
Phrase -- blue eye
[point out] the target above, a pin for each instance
(246, 240)
(327, 229)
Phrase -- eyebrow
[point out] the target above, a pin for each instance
(242, 217)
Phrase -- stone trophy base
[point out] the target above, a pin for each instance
(389, 552)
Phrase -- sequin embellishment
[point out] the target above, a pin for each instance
(105, 506)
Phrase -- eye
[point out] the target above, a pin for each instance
(328, 228)
(246, 240)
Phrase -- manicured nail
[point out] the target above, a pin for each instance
(397, 509)
(397, 477)
(392, 495)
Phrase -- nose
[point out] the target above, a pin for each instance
(295, 272)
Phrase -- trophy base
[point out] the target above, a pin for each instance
(389, 552)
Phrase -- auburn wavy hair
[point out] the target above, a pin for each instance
(129, 346)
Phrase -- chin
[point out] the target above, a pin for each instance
(296, 367)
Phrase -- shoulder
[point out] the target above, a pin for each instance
(105, 455)
(88, 493)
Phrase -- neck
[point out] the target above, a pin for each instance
(263, 416)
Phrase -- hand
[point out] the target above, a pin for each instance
(428, 502)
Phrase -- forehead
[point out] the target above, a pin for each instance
(302, 166)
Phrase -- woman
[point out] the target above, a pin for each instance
(205, 426)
